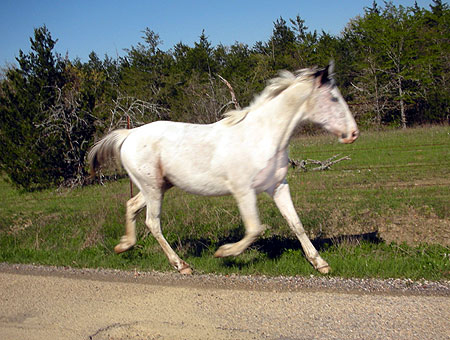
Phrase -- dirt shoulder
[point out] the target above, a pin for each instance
(63, 303)
(241, 282)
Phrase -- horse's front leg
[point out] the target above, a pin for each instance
(282, 198)
(134, 206)
(253, 227)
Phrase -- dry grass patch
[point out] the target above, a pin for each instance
(414, 228)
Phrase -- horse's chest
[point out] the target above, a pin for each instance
(274, 172)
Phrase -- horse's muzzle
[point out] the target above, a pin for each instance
(349, 138)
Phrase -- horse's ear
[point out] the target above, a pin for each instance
(331, 69)
(325, 76)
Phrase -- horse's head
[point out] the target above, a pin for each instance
(329, 109)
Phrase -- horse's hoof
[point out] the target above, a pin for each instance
(186, 271)
(324, 270)
(219, 253)
(225, 251)
(121, 247)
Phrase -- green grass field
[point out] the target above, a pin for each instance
(384, 213)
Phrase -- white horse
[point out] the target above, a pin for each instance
(244, 154)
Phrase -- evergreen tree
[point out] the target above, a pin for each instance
(27, 94)
(282, 45)
(45, 123)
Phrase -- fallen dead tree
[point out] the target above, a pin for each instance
(305, 164)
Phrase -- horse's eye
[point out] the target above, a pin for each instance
(334, 99)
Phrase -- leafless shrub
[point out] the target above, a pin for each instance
(207, 100)
(70, 127)
(136, 111)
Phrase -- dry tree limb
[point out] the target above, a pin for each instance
(233, 95)
(323, 165)
(137, 110)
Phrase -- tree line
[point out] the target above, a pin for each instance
(392, 63)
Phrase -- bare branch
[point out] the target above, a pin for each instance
(356, 87)
(233, 95)
(323, 165)
(139, 111)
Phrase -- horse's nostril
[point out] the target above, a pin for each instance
(349, 137)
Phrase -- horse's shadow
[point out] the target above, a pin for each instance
(273, 247)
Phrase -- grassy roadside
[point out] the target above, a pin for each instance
(383, 214)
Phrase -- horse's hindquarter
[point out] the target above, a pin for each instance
(179, 153)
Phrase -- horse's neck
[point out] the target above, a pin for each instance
(278, 118)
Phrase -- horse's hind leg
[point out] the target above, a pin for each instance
(153, 222)
(134, 206)
(253, 227)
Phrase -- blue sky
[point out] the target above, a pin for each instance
(108, 27)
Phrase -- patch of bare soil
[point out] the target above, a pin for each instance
(408, 226)
(414, 229)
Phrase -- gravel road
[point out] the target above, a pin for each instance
(63, 303)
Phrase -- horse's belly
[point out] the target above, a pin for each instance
(195, 175)
(200, 185)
